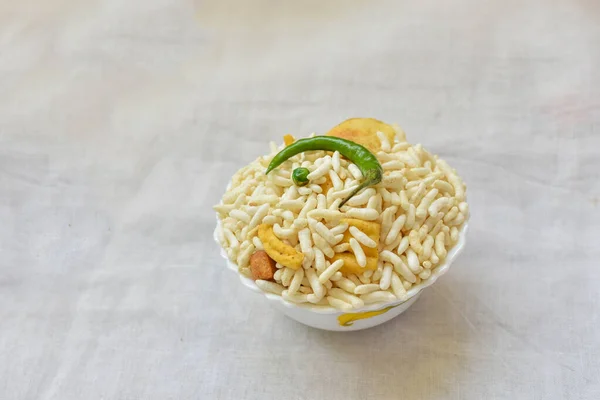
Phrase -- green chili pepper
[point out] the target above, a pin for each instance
(300, 176)
(359, 155)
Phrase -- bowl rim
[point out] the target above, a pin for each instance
(436, 273)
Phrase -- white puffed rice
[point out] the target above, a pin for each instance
(346, 284)
(386, 277)
(353, 169)
(270, 287)
(362, 237)
(347, 297)
(339, 304)
(377, 297)
(329, 271)
(366, 214)
(359, 253)
(366, 288)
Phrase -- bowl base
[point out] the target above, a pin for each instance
(347, 322)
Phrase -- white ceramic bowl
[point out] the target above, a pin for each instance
(331, 319)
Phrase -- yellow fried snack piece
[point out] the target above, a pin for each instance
(373, 230)
(363, 131)
(370, 228)
(288, 139)
(350, 264)
(283, 253)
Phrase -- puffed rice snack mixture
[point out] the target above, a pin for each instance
(312, 238)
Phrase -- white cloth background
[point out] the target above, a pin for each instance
(121, 121)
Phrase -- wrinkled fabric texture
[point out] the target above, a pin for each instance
(121, 123)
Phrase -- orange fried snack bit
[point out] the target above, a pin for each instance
(371, 229)
(363, 131)
(262, 266)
